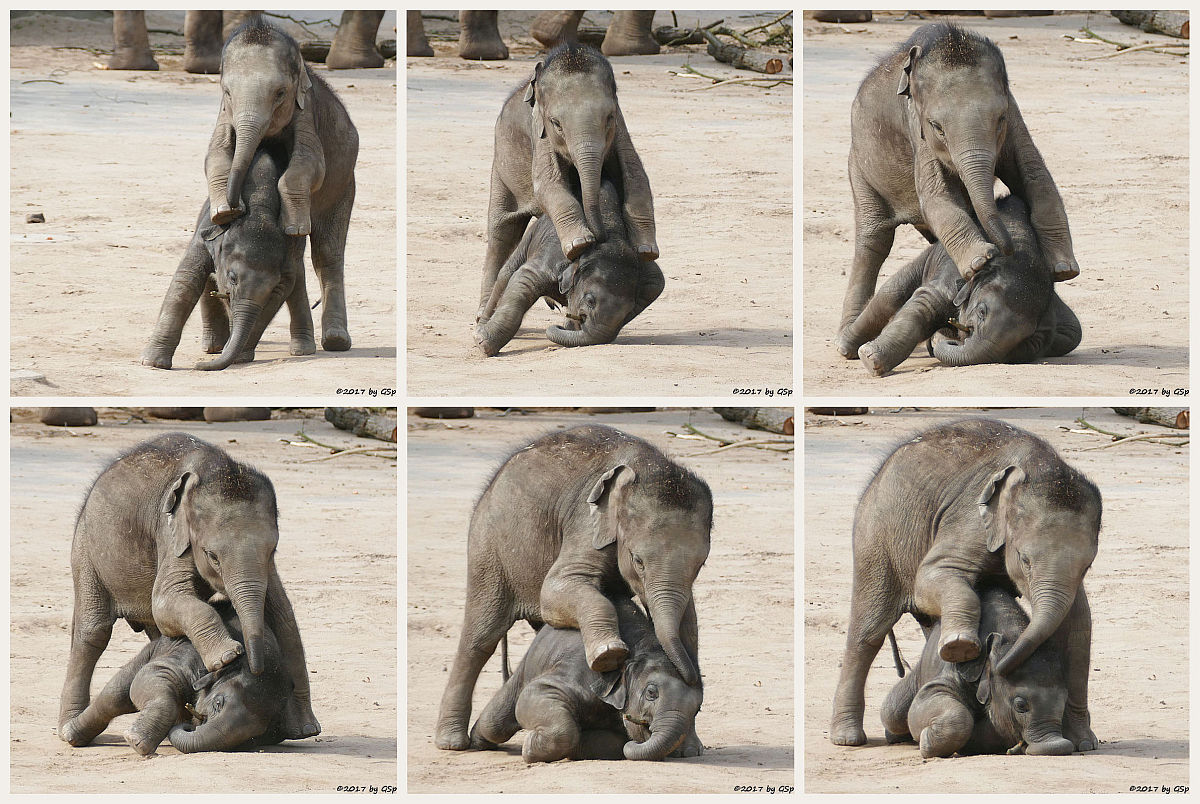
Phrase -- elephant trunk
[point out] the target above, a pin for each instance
(667, 731)
(589, 335)
(248, 134)
(245, 317)
(208, 736)
(977, 167)
(1050, 606)
(666, 611)
(588, 157)
(970, 351)
(1058, 746)
(249, 599)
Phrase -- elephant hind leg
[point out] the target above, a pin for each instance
(328, 256)
(874, 234)
(91, 629)
(546, 713)
(942, 723)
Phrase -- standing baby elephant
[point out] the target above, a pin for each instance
(567, 519)
(269, 95)
(969, 708)
(603, 289)
(169, 685)
(955, 505)
(574, 138)
(933, 126)
(239, 272)
(166, 526)
(572, 712)
(1009, 310)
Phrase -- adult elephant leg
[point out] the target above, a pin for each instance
(506, 224)
(214, 318)
(1076, 720)
(202, 42)
(1023, 171)
(113, 701)
(874, 233)
(232, 19)
(630, 34)
(483, 627)
(552, 28)
(874, 609)
(941, 723)
(328, 256)
(354, 43)
(946, 592)
(298, 718)
(131, 42)
(418, 43)
(479, 36)
(553, 734)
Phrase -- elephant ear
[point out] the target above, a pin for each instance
(905, 89)
(964, 291)
(172, 503)
(211, 231)
(611, 687)
(566, 279)
(970, 672)
(604, 500)
(531, 98)
(304, 85)
(207, 680)
(990, 656)
(995, 504)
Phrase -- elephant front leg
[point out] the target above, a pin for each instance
(638, 206)
(940, 591)
(913, 323)
(187, 286)
(1077, 721)
(158, 695)
(575, 601)
(552, 193)
(178, 612)
(303, 338)
(296, 187)
(941, 722)
(521, 292)
(218, 161)
(947, 212)
(545, 711)
(214, 317)
(112, 702)
(299, 721)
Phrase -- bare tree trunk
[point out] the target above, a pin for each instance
(363, 423)
(1167, 417)
(1171, 23)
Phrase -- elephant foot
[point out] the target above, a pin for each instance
(647, 252)
(1077, 727)
(872, 358)
(552, 28)
(140, 743)
(847, 734)
(74, 734)
(224, 654)
(1054, 747)
(1065, 270)
(225, 214)
(484, 344)
(929, 749)
(847, 346)
(958, 647)
(479, 742)
(892, 738)
(202, 64)
(156, 359)
(629, 35)
(607, 655)
(295, 222)
(335, 338)
(579, 245)
(124, 58)
(479, 36)
(304, 345)
(299, 721)
(978, 259)
(452, 737)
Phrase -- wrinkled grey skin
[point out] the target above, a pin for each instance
(166, 526)
(240, 273)
(551, 159)
(959, 504)
(234, 706)
(1010, 308)
(570, 711)
(969, 708)
(271, 97)
(932, 127)
(568, 522)
(603, 289)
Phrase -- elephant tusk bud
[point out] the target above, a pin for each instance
(573, 317)
(1019, 748)
(191, 710)
(960, 327)
(216, 294)
(635, 720)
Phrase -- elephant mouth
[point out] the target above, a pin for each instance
(197, 716)
(632, 719)
(959, 326)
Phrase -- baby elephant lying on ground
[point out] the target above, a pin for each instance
(603, 290)
(1008, 311)
(169, 685)
(573, 712)
(969, 708)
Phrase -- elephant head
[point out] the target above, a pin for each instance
(250, 255)
(960, 103)
(607, 286)
(574, 98)
(659, 517)
(657, 706)
(227, 520)
(1046, 517)
(264, 84)
(234, 707)
(1025, 707)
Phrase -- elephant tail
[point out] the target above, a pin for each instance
(505, 670)
(901, 665)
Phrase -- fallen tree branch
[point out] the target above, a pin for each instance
(780, 18)
(356, 451)
(754, 82)
(751, 58)
(1159, 48)
(1155, 437)
(761, 443)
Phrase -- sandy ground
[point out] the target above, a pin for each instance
(1115, 140)
(337, 558)
(720, 165)
(744, 597)
(1137, 587)
(115, 160)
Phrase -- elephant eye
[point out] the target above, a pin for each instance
(937, 127)
(589, 300)
(217, 701)
(637, 561)
(1020, 705)
(1024, 560)
(554, 122)
(212, 558)
(651, 692)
